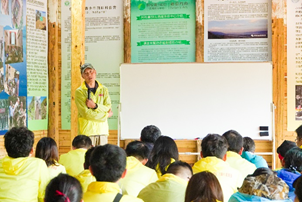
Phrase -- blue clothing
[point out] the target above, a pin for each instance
(238, 197)
(259, 161)
(289, 177)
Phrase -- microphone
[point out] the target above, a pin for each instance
(89, 91)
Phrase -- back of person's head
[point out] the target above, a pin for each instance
(108, 163)
(138, 150)
(63, 188)
(18, 142)
(262, 171)
(150, 134)
(234, 139)
(204, 187)
(214, 145)
(298, 189)
(285, 147)
(81, 141)
(47, 150)
(164, 149)
(181, 169)
(299, 131)
(249, 144)
(87, 158)
(293, 159)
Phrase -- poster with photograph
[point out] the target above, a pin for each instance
(237, 31)
(37, 107)
(17, 111)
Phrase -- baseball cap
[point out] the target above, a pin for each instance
(85, 66)
(285, 146)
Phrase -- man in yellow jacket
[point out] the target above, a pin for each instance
(94, 107)
(138, 175)
(22, 177)
(108, 165)
(214, 148)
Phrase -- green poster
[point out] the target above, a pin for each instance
(162, 31)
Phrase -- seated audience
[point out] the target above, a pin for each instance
(170, 187)
(22, 177)
(298, 189)
(63, 188)
(138, 175)
(299, 136)
(108, 166)
(162, 155)
(149, 135)
(234, 152)
(292, 169)
(262, 185)
(213, 156)
(74, 159)
(85, 177)
(48, 151)
(248, 153)
(204, 187)
(283, 148)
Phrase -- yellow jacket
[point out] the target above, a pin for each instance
(106, 192)
(55, 170)
(158, 172)
(85, 178)
(228, 177)
(23, 179)
(168, 188)
(73, 161)
(242, 165)
(138, 176)
(93, 121)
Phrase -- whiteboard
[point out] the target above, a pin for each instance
(191, 100)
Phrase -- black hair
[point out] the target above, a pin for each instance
(177, 167)
(63, 188)
(108, 162)
(299, 132)
(18, 142)
(298, 188)
(285, 147)
(137, 149)
(262, 171)
(214, 145)
(150, 134)
(87, 158)
(293, 159)
(234, 139)
(81, 141)
(48, 151)
(164, 149)
(249, 144)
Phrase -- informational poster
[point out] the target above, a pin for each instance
(294, 64)
(104, 49)
(162, 31)
(237, 30)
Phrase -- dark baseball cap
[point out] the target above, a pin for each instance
(86, 66)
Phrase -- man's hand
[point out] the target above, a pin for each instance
(110, 113)
(90, 104)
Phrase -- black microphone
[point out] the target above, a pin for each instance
(89, 91)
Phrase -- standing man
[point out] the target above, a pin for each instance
(94, 107)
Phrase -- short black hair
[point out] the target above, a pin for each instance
(293, 159)
(18, 142)
(150, 134)
(285, 147)
(108, 162)
(234, 139)
(87, 158)
(47, 150)
(299, 132)
(177, 166)
(138, 149)
(298, 187)
(214, 145)
(81, 141)
(249, 144)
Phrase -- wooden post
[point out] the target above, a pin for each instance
(199, 32)
(77, 57)
(127, 32)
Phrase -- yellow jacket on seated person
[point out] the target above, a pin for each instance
(138, 176)
(73, 161)
(23, 179)
(85, 178)
(106, 192)
(158, 172)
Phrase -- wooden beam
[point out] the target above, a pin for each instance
(127, 32)
(77, 57)
(199, 32)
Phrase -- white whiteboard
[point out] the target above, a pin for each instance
(190, 100)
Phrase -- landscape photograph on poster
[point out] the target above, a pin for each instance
(230, 29)
(17, 108)
(4, 114)
(11, 84)
(37, 107)
(40, 20)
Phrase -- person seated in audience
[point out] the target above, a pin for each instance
(204, 187)
(292, 169)
(149, 135)
(213, 156)
(138, 175)
(170, 187)
(85, 177)
(248, 153)
(48, 151)
(63, 188)
(299, 136)
(283, 148)
(162, 155)
(108, 166)
(74, 159)
(235, 142)
(298, 189)
(262, 185)
(22, 177)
